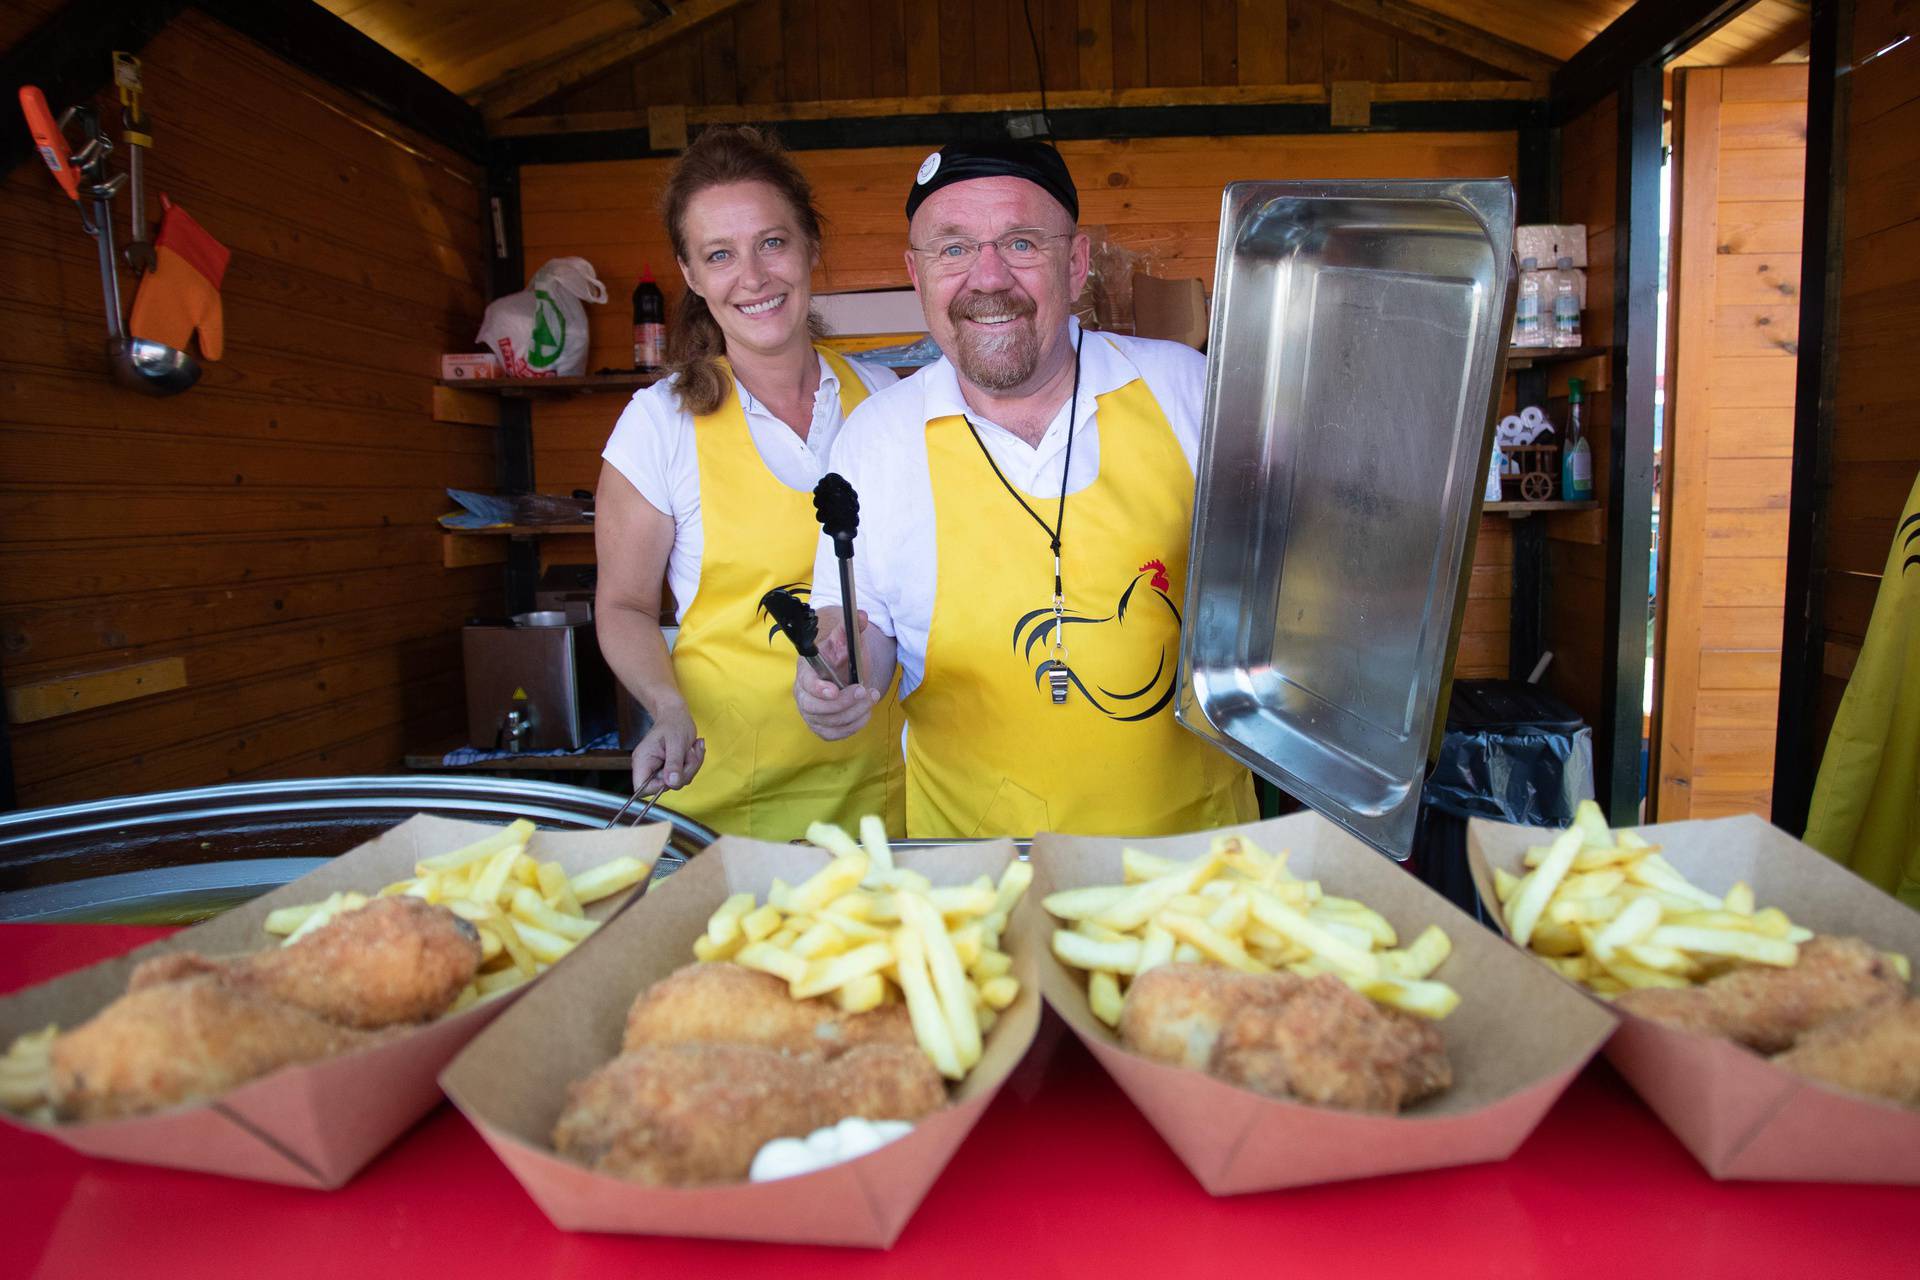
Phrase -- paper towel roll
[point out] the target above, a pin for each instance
(1533, 415)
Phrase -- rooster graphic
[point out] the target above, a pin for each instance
(1034, 630)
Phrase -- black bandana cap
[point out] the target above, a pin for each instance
(1037, 162)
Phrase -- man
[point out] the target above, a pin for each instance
(1026, 505)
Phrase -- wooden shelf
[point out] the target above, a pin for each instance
(520, 530)
(1527, 357)
(544, 388)
(582, 762)
(1518, 509)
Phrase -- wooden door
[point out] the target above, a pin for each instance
(1739, 150)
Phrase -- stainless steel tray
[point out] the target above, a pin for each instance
(1359, 338)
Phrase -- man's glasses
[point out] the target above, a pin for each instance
(952, 255)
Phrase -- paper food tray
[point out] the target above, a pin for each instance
(512, 1081)
(1739, 1114)
(1515, 1042)
(316, 1124)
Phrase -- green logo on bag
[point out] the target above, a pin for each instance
(547, 317)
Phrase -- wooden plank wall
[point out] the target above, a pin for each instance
(1876, 415)
(1740, 148)
(808, 50)
(1159, 196)
(1576, 541)
(272, 529)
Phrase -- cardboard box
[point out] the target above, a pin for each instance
(869, 311)
(1739, 1114)
(317, 1124)
(1547, 243)
(1515, 1042)
(512, 1081)
(461, 368)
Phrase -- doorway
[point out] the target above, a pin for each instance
(1739, 153)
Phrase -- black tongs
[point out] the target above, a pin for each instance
(838, 508)
(797, 619)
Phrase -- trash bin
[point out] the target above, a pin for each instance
(1512, 752)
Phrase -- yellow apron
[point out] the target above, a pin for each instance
(988, 751)
(766, 774)
(1866, 802)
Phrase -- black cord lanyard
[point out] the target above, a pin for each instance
(1057, 663)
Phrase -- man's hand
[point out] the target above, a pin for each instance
(670, 754)
(830, 711)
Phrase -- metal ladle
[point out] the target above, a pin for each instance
(137, 363)
(141, 364)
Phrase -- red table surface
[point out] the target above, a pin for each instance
(1062, 1177)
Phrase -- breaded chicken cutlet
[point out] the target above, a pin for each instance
(1875, 1051)
(725, 1003)
(1768, 1009)
(1314, 1039)
(691, 1114)
(192, 1027)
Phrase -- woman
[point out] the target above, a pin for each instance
(707, 482)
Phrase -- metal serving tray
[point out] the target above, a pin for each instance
(1359, 338)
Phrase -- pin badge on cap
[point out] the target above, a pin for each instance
(928, 167)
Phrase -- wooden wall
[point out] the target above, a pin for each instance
(1154, 195)
(808, 50)
(1576, 541)
(1876, 413)
(1740, 153)
(267, 538)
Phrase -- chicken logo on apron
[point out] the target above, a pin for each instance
(1125, 673)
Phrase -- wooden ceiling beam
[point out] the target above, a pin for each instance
(1065, 100)
(1449, 33)
(521, 88)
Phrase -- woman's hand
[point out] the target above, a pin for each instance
(830, 711)
(671, 753)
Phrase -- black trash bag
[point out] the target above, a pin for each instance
(1513, 753)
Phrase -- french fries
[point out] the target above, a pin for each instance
(529, 914)
(1239, 907)
(25, 1072)
(1606, 910)
(862, 931)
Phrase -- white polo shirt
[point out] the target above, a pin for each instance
(882, 451)
(653, 447)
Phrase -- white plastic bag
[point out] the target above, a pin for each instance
(542, 330)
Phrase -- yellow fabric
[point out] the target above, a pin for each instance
(988, 751)
(174, 300)
(766, 774)
(1866, 803)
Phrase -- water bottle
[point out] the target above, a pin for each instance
(649, 324)
(1566, 308)
(1526, 312)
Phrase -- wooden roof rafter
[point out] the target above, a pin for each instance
(1449, 33)
(523, 87)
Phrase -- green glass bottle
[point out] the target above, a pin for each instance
(1576, 455)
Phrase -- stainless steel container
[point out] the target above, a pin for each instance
(1359, 339)
(176, 856)
(538, 684)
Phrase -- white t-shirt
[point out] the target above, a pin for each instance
(653, 447)
(882, 451)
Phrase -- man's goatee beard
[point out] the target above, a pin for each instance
(1000, 361)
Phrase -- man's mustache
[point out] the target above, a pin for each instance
(975, 306)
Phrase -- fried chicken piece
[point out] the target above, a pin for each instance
(690, 1114)
(724, 1003)
(1875, 1051)
(1767, 1008)
(397, 959)
(1315, 1039)
(181, 1041)
(1329, 1044)
(1175, 1013)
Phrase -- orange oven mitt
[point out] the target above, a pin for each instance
(182, 293)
